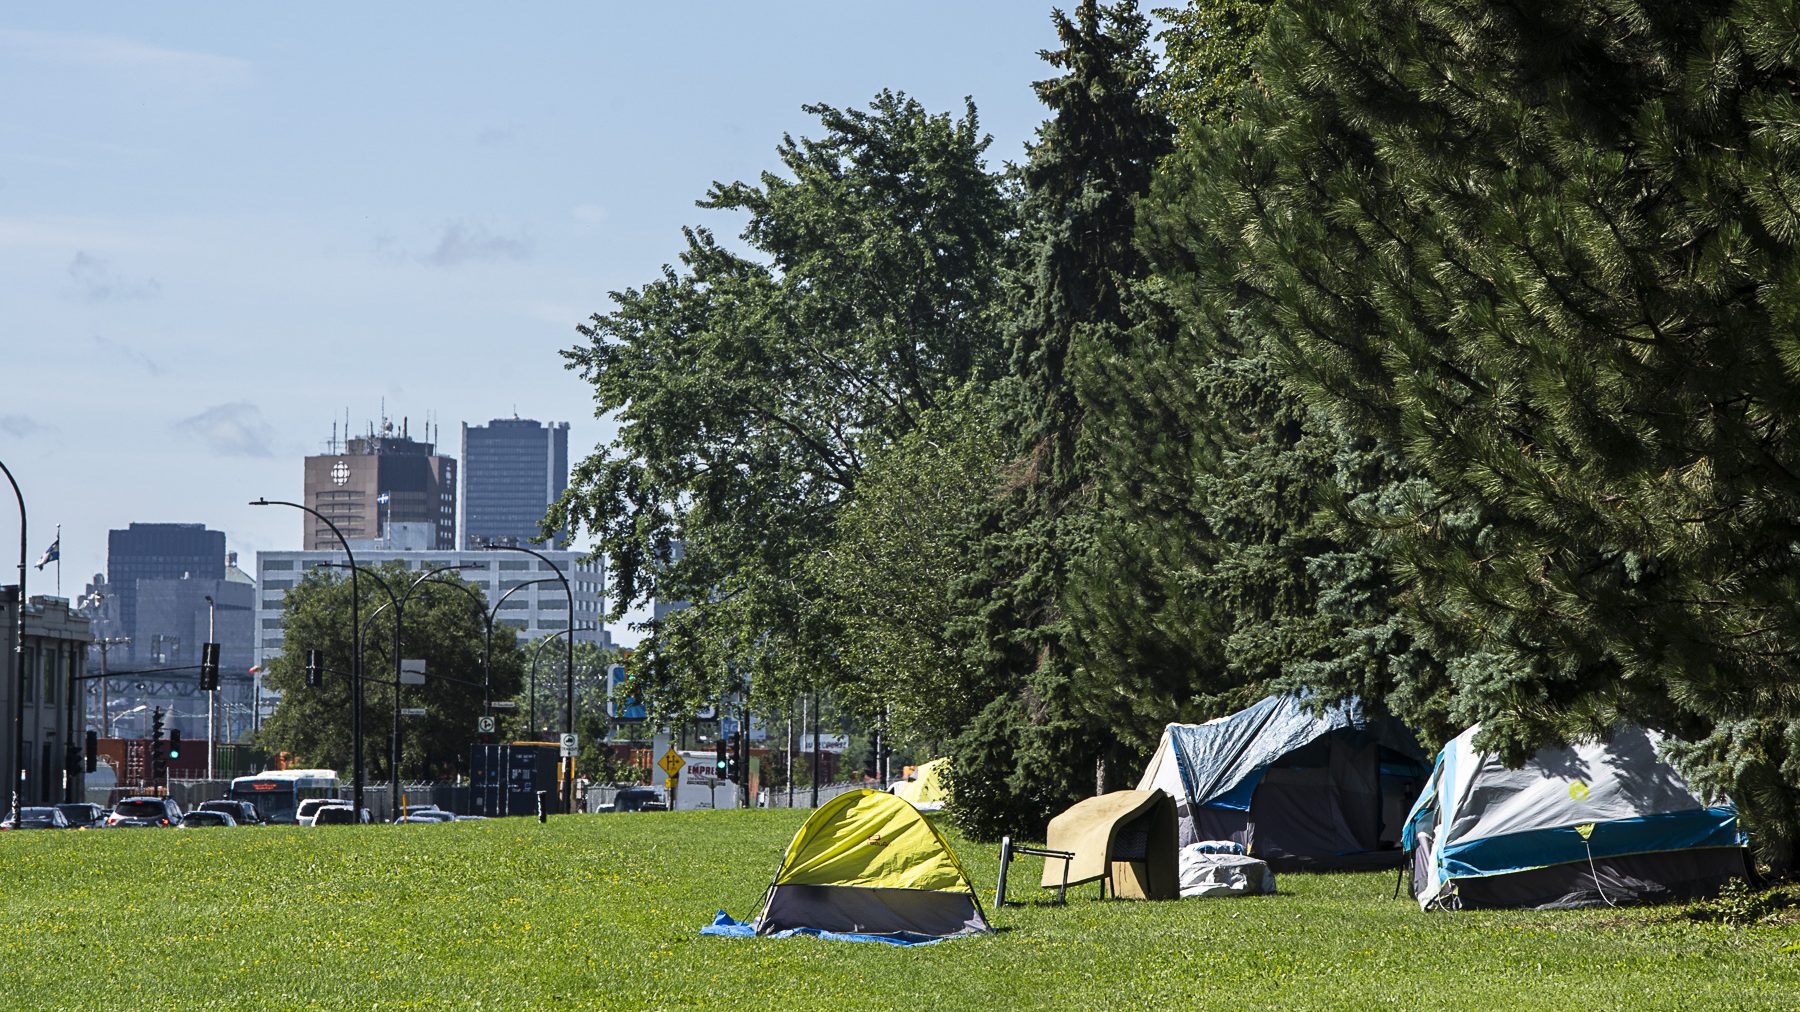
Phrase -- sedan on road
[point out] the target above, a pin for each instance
(145, 812)
(37, 818)
(340, 815)
(82, 814)
(199, 819)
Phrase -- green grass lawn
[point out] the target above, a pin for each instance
(603, 911)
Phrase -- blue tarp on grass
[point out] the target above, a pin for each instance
(725, 924)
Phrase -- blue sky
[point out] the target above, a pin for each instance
(222, 225)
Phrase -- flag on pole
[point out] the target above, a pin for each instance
(53, 553)
(384, 498)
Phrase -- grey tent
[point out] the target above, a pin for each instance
(1579, 825)
(1299, 789)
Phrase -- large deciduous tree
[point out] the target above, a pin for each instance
(1549, 251)
(901, 547)
(750, 386)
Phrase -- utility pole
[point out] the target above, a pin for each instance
(815, 750)
(212, 696)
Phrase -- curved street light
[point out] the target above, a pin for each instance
(399, 614)
(569, 680)
(17, 762)
(398, 602)
(532, 694)
(487, 649)
(356, 695)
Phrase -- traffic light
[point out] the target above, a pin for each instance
(724, 759)
(315, 668)
(728, 764)
(209, 667)
(93, 751)
(157, 761)
(175, 743)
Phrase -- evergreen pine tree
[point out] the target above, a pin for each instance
(1033, 749)
(1549, 251)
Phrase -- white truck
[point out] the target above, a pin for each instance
(700, 786)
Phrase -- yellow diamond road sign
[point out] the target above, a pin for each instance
(672, 763)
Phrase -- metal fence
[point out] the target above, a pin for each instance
(598, 796)
(803, 795)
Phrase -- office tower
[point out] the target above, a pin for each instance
(379, 486)
(158, 552)
(513, 469)
(170, 587)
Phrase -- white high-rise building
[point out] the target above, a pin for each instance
(535, 611)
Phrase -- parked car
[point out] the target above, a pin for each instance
(242, 812)
(426, 815)
(145, 812)
(340, 815)
(82, 814)
(636, 799)
(202, 819)
(37, 818)
(309, 808)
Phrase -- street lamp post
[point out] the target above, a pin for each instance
(356, 696)
(17, 760)
(487, 643)
(532, 692)
(487, 648)
(399, 613)
(569, 682)
(394, 736)
(398, 601)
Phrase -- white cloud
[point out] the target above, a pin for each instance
(463, 242)
(61, 232)
(21, 426)
(97, 280)
(90, 51)
(113, 351)
(231, 430)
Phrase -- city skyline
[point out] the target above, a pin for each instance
(220, 228)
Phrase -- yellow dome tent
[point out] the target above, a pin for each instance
(929, 788)
(869, 863)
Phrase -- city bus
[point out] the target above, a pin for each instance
(277, 793)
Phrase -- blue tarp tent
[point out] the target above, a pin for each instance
(1298, 788)
(1598, 822)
